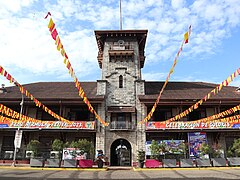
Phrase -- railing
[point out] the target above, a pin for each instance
(121, 47)
(119, 125)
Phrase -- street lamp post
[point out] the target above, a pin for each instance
(17, 132)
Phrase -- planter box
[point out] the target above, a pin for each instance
(85, 163)
(234, 161)
(53, 163)
(70, 163)
(216, 162)
(36, 162)
(203, 162)
(169, 163)
(152, 163)
(186, 163)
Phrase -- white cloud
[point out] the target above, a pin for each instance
(152, 76)
(26, 43)
(14, 6)
(176, 4)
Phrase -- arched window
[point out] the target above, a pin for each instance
(120, 81)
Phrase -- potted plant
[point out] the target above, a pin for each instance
(141, 158)
(167, 148)
(153, 162)
(204, 160)
(77, 153)
(86, 153)
(36, 160)
(55, 154)
(69, 154)
(233, 153)
(184, 161)
(217, 156)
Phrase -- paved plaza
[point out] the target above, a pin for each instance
(17, 173)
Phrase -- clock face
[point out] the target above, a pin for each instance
(121, 42)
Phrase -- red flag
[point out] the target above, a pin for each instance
(54, 34)
(66, 56)
(9, 77)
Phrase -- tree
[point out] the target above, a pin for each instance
(84, 145)
(216, 151)
(33, 146)
(154, 148)
(205, 149)
(183, 147)
(235, 149)
(57, 145)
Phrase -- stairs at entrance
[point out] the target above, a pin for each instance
(119, 168)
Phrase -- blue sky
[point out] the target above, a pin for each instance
(29, 54)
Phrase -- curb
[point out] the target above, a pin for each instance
(183, 169)
(53, 169)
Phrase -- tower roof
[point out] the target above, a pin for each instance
(102, 35)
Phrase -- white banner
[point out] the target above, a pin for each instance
(18, 138)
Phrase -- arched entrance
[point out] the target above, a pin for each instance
(121, 153)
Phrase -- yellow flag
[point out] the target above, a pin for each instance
(50, 24)
(186, 37)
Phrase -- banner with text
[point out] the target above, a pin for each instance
(217, 124)
(88, 125)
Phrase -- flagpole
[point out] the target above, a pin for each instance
(15, 143)
(120, 15)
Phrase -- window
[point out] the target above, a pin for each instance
(121, 120)
(120, 81)
(41, 114)
(79, 114)
(162, 114)
(196, 114)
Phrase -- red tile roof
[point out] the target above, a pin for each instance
(173, 91)
(187, 91)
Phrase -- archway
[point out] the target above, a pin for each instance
(121, 153)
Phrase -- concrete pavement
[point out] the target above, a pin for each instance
(19, 173)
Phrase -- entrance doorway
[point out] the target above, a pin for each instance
(121, 153)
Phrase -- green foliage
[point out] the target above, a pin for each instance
(66, 145)
(205, 149)
(163, 149)
(216, 151)
(82, 144)
(57, 145)
(183, 148)
(74, 144)
(235, 149)
(141, 155)
(229, 152)
(33, 146)
(154, 148)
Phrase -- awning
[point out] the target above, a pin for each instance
(121, 109)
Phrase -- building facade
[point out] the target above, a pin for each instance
(122, 98)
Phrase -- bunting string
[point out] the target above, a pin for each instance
(55, 36)
(221, 123)
(208, 96)
(222, 114)
(25, 92)
(13, 114)
(185, 41)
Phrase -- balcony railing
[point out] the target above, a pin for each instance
(119, 125)
(121, 47)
